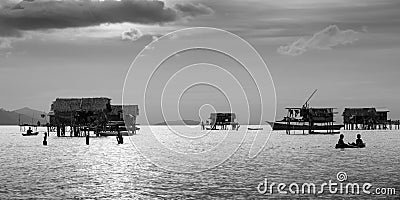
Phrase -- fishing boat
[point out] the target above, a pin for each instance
(32, 128)
(313, 120)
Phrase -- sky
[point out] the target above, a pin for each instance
(348, 50)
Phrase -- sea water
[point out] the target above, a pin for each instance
(141, 168)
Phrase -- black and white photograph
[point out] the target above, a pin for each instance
(199, 99)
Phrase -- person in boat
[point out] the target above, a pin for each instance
(341, 142)
(29, 131)
(359, 141)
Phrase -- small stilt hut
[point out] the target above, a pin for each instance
(223, 120)
(367, 119)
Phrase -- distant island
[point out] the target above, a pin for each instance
(24, 116)
(179, 122)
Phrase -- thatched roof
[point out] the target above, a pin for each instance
(129, 109)
(359, 111)
(78, 104)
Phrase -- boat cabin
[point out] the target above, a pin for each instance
(316, 115)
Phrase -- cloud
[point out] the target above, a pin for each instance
(5, 43)
(329, 37)
(193, 10)
(45, 14)
(132, 34)
(155, 37)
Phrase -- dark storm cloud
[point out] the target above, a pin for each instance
(40, 14)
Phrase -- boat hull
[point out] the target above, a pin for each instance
(284, 126)
(346, 146)
(324, 133)
(254, 129)
(30, 134)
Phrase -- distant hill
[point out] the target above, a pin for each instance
(8, 118)
(13, 117)
(179, 122)
(31, 113)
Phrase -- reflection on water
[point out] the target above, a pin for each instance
(68, 168)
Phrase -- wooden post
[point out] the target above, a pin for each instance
(45, 139)
(119, 137)
(58, 130)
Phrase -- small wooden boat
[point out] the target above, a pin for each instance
(349, 146)
(30, 134)
(254, 129)
(324, 132)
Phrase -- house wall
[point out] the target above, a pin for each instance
(222, 118)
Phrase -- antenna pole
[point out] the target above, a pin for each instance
(309, 98)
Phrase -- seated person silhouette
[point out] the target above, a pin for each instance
(359, 141)
(29, 131)
(341, 142)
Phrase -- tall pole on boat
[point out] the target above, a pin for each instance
(309, 98)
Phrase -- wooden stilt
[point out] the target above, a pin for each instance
(58, 131)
